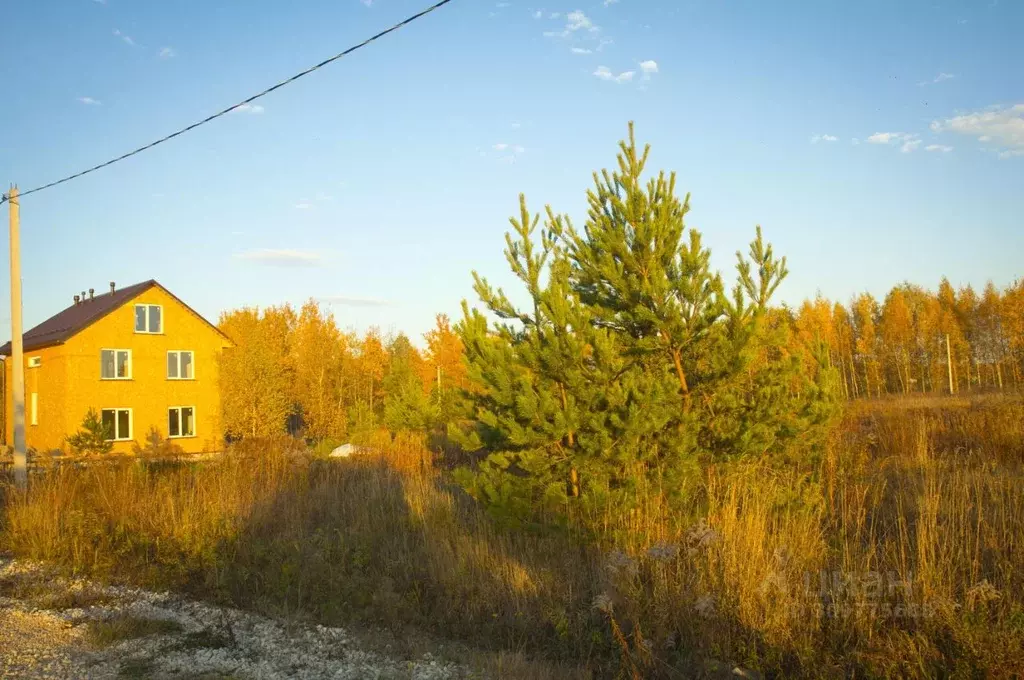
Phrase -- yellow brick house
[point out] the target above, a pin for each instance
(138, 355)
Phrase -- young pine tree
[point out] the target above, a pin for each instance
(626, 362)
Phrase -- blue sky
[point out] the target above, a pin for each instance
(874, 141)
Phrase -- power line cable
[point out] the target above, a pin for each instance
(193, 126)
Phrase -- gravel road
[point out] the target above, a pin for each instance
(53, 627)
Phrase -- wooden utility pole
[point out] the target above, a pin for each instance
(17, 361)
(949, 364)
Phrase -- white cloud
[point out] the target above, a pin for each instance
(554, 15)
(609, 2)
(303, 204)
(283, 257)
(604, 73)
(89, 101)
(368, 3)
(910, 141)
(938, 147)
(581, 50)
(855, 141)
(501, 146)
(578, 20)
(538, 14)
(910, 145)
(823, 138)
(649, 68)
(354, 301)
(1001, 125)
(126, 38)
(248, 108)
(575, 21)
(167, 53)
(322, 197)
(886, 137)
(516, 125)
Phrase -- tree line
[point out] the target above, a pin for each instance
(899, 345)
(296, 371)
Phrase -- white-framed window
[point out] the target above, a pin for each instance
(115, 364)
(117, 422)
(181, 365)
(181, 421)
(149, 319)
(35, 362)
(33, 409)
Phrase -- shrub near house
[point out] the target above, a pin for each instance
(139, 356)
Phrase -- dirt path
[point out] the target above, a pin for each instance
(53, 627)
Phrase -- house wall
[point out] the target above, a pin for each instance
(47, 381)
(149, 393)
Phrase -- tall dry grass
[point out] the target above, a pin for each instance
(895, 552)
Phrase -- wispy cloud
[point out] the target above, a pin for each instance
(126, 38)
(937, 79)
(581, 50)
(89, 101)
(513, 148)
(938, 147)
(248, 108)
(167, 53)
(908, 141)
(538, 14)
(823, 138)
(303, 204)
(605, 73)
(1000, 125)
(354, 301)
(649, 68)
(609, 2)
(910, 145)
(368, 3)
(578, 20)
(100, 2)
(886, 137)
(575, 21)
(284, 257)
(502, 4)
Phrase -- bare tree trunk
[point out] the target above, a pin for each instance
(853, 376)
(846, 387)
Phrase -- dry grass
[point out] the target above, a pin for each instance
(106, 632)
(896, 552)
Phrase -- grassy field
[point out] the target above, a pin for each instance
(896, 552)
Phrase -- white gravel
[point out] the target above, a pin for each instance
(38, 640)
